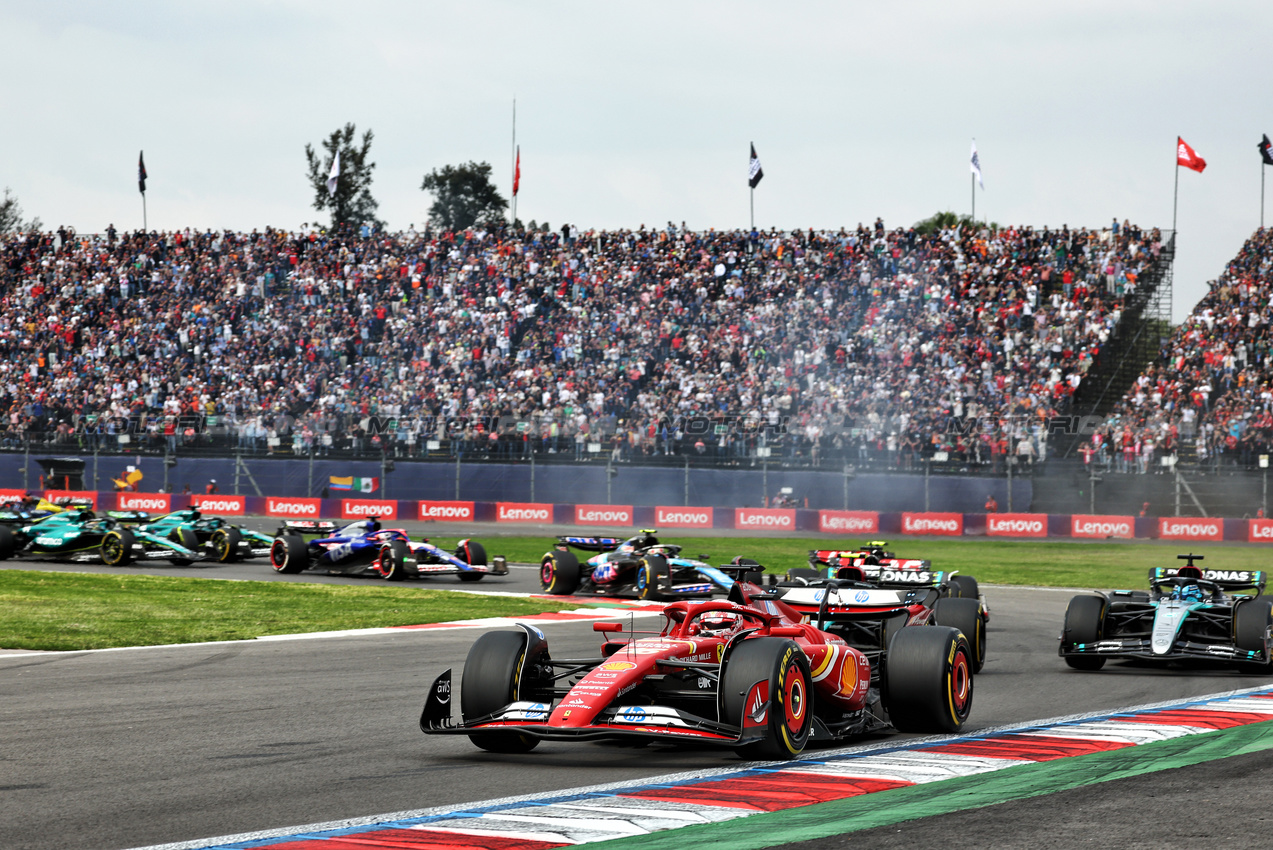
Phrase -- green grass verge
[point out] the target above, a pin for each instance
(70, 611)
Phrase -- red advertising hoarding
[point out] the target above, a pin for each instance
(765, 519)
(523, 512)
(1017, 525)
(364, 508)
(292, 507)
(220, 505)
(666, 516)
(155, 503)
(849, 522)
(450, 511)
(1190, 528)
(933, 523)
(1101, 527)
(603, 514)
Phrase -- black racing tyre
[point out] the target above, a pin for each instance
(116, 548)
(6, 543)
(492, 679)
(185, 537)
(789, 719)
(559, 573)
(1251, 622)
(1084, 623)
(965, 615)
(224, 544)
(967, 587)
(289, 554)
(652, 574)
(804, 573)
(928, 678)
(471, 552)
(393, 560)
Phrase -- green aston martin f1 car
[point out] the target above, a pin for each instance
(82, 536)
(221, 540)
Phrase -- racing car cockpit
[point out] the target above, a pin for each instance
(360, 528)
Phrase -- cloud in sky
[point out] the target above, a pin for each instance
(642, 114)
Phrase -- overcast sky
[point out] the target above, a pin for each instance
(642, 113)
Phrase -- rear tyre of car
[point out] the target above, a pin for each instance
(1251, 622)
(1084, 623)
(393, 560)
(116, 547)
(967, 586)
(492, 679)
(965, 615)
(6, 543)
(928, 677)
(185, 537)
(224, 544)
(559, 573)
(289, 554)
(653, 574)
(788, 719)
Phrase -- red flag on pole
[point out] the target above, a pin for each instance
(517, 171)
(1186, 157)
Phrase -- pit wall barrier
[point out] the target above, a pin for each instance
(856, 524)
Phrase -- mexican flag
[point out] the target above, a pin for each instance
(360, 485)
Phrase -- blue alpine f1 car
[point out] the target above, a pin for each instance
(365, 548)
(1187, 614)
(639, 566)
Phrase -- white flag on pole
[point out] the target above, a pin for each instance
(976, 165)
(331, 178)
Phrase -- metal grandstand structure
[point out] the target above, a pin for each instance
(1135, 341)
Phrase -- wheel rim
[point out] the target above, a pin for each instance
(793, 700)
(111, 549)
(546, 573)
(278, 555)
(960, 685)
(642, 579)
(220, 545)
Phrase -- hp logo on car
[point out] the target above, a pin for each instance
(633, 715)
(862, 596)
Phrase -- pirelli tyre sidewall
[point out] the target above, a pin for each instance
(494, 671)
(224, 544)
(289, 554)
(116, 549)
(559, 572)
(789, 716)
(393, 560)
(652, 576)
(928, 679)
(1084, 623)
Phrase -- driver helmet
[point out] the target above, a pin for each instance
(1188, 592)
(373, 524)
(645, 539)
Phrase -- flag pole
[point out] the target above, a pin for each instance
(1175, 195)
(972, 183)
(752, 192)
(144, 226)
(514, 172)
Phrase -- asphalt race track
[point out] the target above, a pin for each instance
(127, 748)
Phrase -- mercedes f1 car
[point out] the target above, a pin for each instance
(1187, 614)
(364, 548)
(639, 566)
(221, 540)
(82, 536)
(866, 604)
(745, 673)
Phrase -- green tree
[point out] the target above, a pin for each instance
(463, 195)
(11, 215)
(943, 220)
(352, 202)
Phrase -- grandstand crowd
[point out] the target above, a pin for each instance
(862, 344)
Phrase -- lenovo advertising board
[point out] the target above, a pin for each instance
(1190, 528)
(366, 508)
(666, 516)
(849, 522)
(291, 507)
(933, 523)
(155, 503)
(219, 505)
(765, 519)
(523, 512)
(1017, 525)
(1101, 527)
(447, 511)
(603, 514)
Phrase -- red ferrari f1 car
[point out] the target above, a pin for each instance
(745, 673)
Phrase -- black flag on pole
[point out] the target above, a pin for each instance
(141, 172)
(1265, 152)
(754, 172)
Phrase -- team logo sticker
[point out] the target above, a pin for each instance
(618, 665)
